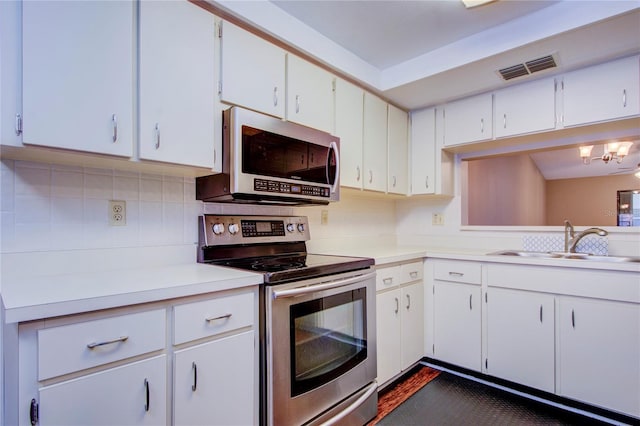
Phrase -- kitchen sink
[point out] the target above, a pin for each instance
(562, 255)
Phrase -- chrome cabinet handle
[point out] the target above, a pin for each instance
(541, 313)
(194, 370)
(225, 316)
(146, 390)
(18, 125)
(408, 301)
(275, 96)
(482, 125)
(397, 305)
(413, 274)
(394, 181)
(297, 104)
(573, 318)
(107, 342)
(387, 281)
(505, 121)
(456, 274)
(370, 176)
(426, 182)
(157, 136)
(624, 98)
(114, 121)
(33, 413)
(470, 305)
(357, 173)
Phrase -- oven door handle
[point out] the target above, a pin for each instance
(277, 294)
(373, 387)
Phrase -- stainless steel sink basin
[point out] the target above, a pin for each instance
(561, 255)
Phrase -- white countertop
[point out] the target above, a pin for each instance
(36, 297)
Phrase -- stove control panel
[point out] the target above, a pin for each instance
(218, 230)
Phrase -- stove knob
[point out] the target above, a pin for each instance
(301, 227)
(290, 227)
(218, 228)
(233, 228)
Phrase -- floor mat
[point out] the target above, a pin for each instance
(396, 395)
(453, 400)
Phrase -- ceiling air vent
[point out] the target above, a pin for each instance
(529, 67)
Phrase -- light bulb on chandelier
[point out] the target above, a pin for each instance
(612, 151)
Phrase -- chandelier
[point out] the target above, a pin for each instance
(612, 151)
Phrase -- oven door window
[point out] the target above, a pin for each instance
(328, 338)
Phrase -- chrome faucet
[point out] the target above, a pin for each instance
(571, 239)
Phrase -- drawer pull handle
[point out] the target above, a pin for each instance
(107, 342)
(387, 281)
(146, 390)
(194, 368)
(541, 313)
(225, 316)
(413, 274)
(470, 304)
(456, 274)
(397, 305)
(408, 302)
(573, 318)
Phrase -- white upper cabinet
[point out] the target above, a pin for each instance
(78, 61)
(375, 143)
(468, 120)
(309, 94)
(603, 92)
(252, 72)
(423, 149)
(349, 127)
(10, 73)
(177, 83)
(525, 108)
(397, 148)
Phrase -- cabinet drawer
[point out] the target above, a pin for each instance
(388, 277)
(461, 272)
(411, 272)
(210, 317)
(74, 347)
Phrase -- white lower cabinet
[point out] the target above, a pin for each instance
(114, 367)
(521, 338)
(399, 319)
(457, 313)
(599, 353)
(130, 394)
(212, 382)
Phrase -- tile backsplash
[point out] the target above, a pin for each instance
(56, 207)
(592, 244)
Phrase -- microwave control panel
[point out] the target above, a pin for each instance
(264, 185)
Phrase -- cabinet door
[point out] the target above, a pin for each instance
(603, 92)
(77, 70)
(389, 340)
(348, 120)
(309, 94)
(457, 332)
(214, 382)
(375, 143)
(397, 147)
(253, 72)
(412, 324)
(599, 349)
(177, 83)
(521, 337)
(10, 73)
(468, 120)
(423, 149)
(526, 108)
(134, 393)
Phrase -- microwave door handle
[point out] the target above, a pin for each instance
(333, 147)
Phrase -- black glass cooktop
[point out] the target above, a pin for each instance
(296, 266)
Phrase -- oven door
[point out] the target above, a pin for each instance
(321, 349)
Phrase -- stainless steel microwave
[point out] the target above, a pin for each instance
(271, 161)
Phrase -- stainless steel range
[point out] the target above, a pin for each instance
(317, 320)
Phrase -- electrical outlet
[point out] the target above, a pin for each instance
(437, 219)
(324, 217)
(117, 212)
